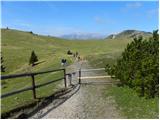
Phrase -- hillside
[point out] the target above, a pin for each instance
(130, 34)
(17, 46)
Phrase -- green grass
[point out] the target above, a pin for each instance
(14, 101)
(16, 50)
(18, 45)
(101, 60)
(133, 106)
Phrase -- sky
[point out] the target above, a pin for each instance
(61, 18)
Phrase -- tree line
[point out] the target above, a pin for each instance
(138, 66)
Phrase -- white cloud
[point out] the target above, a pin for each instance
(21, 23)
(24, 24)
(131, 6)
(99, 20)
(152, 12)
(134, 5)
(58, 30)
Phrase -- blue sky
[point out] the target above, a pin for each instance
(59, 18)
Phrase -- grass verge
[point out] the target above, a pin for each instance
(133, 106)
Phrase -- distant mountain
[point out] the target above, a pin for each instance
(129, 34)
(83, 36)
(123, 34)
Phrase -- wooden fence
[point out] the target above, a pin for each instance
(34, 86)
(91, 77)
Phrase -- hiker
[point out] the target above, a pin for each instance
(79, 58)
(76, 54)
(63, 62)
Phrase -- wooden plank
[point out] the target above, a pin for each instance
(97, 69)
(28, 88)
(16, 92)
(95, 77)
(43, 84)
(27, 74)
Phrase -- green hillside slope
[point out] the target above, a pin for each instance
(18, 45)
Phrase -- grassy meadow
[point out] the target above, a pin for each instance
(132, 106)
(16, 50)
(17, 47)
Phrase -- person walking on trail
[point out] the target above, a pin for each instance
(63, 62)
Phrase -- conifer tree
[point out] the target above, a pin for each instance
(138, 66)
(33, 58)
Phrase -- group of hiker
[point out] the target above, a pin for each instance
(75, 55)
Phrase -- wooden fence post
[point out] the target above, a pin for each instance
(65, 82)
(79, 76)
(70, 78)
(33, 87)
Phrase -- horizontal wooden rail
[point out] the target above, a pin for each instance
(43, 84)
(95, 77)
(27, 74)
(88, 70)
(28, 88)
(33, 87)
(16, 92)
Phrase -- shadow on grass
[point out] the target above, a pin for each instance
(38, 63)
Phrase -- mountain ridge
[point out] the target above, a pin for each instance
(130, 34)
(83, 36)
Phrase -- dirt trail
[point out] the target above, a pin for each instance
(85, 101)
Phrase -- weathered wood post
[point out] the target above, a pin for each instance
(33, 87)
(79, 76)
(70, 78)
(65, 82)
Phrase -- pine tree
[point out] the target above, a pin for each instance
(138, 66)
(33, 58)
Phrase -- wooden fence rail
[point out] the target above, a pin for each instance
(91, 70)
(28, 74)
(80, 77)
(34, 86)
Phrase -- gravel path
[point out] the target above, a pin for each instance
(85, 101)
